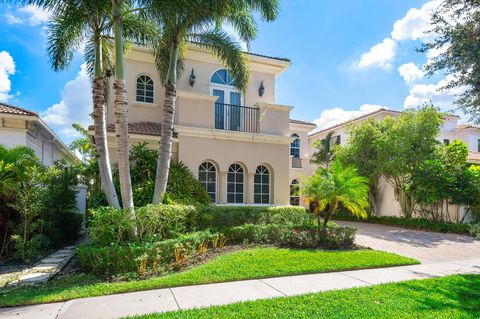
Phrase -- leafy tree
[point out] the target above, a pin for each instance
(323, 154)
(335, 187)
(199, 22)
(456, 29)
(13, 164)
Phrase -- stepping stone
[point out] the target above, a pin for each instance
(34, 278)
(70, 247)
(63, 252)
(45, 267)
(59, 255)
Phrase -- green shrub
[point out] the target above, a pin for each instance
(255, 234)
(415, 223)
(222, 217)
(109, 225)
(140, 257)
(474, 230)
(157, 222)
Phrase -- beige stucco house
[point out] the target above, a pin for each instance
(237, 143)
(19, 126)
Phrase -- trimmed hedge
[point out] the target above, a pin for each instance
(413, 223)
(222, 217)
(307, 236)
(140, 257)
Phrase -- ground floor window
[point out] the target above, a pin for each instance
(294, 193)
(261, 185)
(207, 175)
(235, 181)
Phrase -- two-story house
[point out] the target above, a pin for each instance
(237, 143)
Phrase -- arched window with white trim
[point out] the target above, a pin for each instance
(261, 185)
(207, 175)
(235, 183)
(145, 89)
(295, 146)
(294, 193)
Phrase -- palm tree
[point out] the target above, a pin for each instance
(74, 23)
(13, 166)
(323, 154)
(335, 187)
(198, 21)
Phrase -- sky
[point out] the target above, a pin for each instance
(349, 57)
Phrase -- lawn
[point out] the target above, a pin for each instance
(440, 298)
(244, 264)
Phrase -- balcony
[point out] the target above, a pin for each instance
(236, 118)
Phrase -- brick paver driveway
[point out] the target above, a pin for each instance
(421, 245)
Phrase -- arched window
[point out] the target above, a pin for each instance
(261, 185)
(207, 175)
(144, 89)
(295, 146)
(294, 193)
(223, 77)
(235, 178)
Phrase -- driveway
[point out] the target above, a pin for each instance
(424, 246)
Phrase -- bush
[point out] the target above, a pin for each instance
(140, 257)
(109, 225)
(307, 236)
(222, 217)
(414, 223)
(474, 230)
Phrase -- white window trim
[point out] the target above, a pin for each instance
(140, 103)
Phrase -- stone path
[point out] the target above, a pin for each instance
(161, 300)
(424, 246)
(44, 269)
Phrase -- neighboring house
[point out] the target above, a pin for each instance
(22, 127)
(237, 143)
(387, 204)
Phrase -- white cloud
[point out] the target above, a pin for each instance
(410, 72)
(426, 93)
(411, 27)
(338, 115)
(75, 106)
(7, 68)
(379, 55)
(29, 15)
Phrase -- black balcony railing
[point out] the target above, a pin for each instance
(236, 118)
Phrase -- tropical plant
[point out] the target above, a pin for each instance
(323, 154)
(199, 22)
(13, 163)
(453, 43)
(335, 187)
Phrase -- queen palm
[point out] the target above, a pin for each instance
(335, 187)
(13, 164)
(183, 21)
(323, 154)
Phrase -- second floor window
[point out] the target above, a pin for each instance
(144, 89)
(478, 146)
(295, 146)
(446, 141)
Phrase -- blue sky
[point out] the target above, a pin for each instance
(348, 57)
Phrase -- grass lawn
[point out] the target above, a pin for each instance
(441, 298)
(243, 264)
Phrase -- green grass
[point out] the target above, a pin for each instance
(244, 264)
(441, 298)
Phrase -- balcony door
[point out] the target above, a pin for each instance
(229, 100)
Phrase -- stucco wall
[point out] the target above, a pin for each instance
(11, 138)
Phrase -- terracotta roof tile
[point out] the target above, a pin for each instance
(10, 109)
(141, 128)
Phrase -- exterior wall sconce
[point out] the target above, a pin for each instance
(261, 89)
(192, 78)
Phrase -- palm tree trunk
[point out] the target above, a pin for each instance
(329, 214)
(121, 120)
(165, 149)
(100, 124)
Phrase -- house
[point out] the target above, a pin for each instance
(19, 126)
(237, 143)
(387, 204)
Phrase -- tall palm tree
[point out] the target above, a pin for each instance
(323, 155)
(334, 187)
(198, 21)
(73, 24)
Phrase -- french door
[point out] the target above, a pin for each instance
(227, 108)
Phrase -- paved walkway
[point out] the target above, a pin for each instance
(424, 246)
(161, 300)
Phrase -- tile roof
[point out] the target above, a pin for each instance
(10, 109)
(473, 157)
(302, 122)
(465, 127)
(141, 128)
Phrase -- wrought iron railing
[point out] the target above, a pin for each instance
(296, 162)
(236, 118)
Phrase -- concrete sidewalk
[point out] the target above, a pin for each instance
(161, 300)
